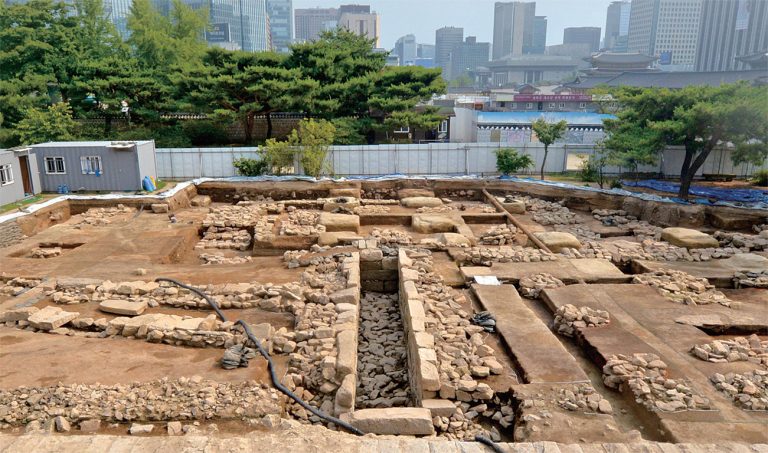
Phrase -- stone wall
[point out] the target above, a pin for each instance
(422, 357)
(378, 272)
(10, 234)
(346, 336)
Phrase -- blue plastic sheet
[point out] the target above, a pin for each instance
(747, 196)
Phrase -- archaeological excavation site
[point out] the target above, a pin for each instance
(398, 315)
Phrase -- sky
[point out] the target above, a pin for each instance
(423, 17)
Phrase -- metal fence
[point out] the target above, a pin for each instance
(427, 158)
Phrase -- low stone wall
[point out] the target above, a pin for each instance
(347, 324)
(422, 357)
(378, 272)
(10, 234)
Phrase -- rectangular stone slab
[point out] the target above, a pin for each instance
(50, 318)
(591, 270)
(123, 307)
(413, 421)
(535, 348)
(718, 272)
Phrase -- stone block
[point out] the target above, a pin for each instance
(368, 255)
(409, 275)
(341, 203)
(336, 238)
(403, 258)
(409, 421)
(433, 223)
(18, 314)
(160, 208)
(430, 378)
(408, 193)
(123, 307)
(514, 207)
(370, 266)
(414, 310)
(424, 340)
(439, 407)
(346, 360)
(345, 395)
(453, 240)
(410, 290)
(390, 262)
(379, 275)
(558, 240)
(372, 285)
(346, 296)
(200, 201)
(691, 239)
(339, 222)
(50, 318)
(421, 202)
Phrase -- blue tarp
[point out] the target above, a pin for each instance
(749, 196)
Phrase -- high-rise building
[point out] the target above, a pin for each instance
(539, 44)
(406, 50)
(512, 28)
(247, 21)
(730, 29)
(280, 14)
(668, 29)
(583, 35)
(445, 39)
(311, 22)
(117, 11)
(467, 56)
(361, 21)
(425, 51)
(617, 26)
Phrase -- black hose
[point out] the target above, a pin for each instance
(488, 442)
(265, 354)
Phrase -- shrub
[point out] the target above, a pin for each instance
(251, 167)
(509, 161)
(589, 169)
(760, 178)
(616, 184)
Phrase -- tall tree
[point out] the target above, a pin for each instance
(696, 118)
(548, 133)
(50, 124)
(242, 85)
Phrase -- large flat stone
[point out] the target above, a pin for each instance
(685, 237)
(50, 318)
(558, 240)
(718, 272)
(433, 223)
(421, 202)
(123, 307)
(453, 240)
(409, 421)
(590, 270)
(337, 237)
(529, 339)
(339, 222)
(18, 314)
(408, 193)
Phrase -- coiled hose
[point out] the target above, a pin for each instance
(275, 381)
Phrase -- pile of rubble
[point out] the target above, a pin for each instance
(390, 237)
(581, 232)
(750, 279)
(226, 238)
(382, 368)
(464, 423)
(461, 352)
(531, 285)
(744, 242)
(646, 376)
(301, 223)
(589, 249)
(183, 399)
(549, 213)
(17, 285)
(45, 252)
(568, 318)
(371, 209)
(499, 235)
(620, 218)
(739, 349)
(649, 249)
(484, 256)
(102, 216)
(263, 231)
(208, 258)
(748, 390)
(681, 287)
(583, 398)
(232, 216)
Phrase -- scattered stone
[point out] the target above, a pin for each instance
(681, 287)
(747, 390)
(499, 235)
(532, 285)
(569, 318)
(740, 349)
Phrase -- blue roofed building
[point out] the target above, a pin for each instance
(514, 128)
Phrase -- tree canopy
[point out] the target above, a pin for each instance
(548, 133)
(697, 118)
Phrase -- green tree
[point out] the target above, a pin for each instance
(548, 133)
(310, 142)
(53, 123)
(697, 118)
(509, 161)
(242, 85)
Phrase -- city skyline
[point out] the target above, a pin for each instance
(421, 18)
